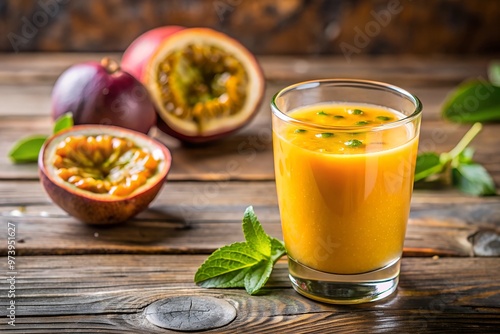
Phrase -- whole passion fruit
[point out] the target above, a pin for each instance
(204, 84)
(101, 93)
(103, 174)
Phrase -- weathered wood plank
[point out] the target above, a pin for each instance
(109, 293)
(44, 68)
(198, 217)
(247, 155)
(26, 81)
(31, 99)
(25, 100)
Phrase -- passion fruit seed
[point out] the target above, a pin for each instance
(202, 82)
(104, 164)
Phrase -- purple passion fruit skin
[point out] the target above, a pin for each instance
(101, 93)
(91, 206)
(205, 85)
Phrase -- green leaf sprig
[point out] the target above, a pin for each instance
(456, 167)
(494, 73)
(475, 100)
(245, 264)
(27, 149)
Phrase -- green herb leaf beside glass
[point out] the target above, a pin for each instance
(494, 73)
(245, 264)
(475, 100)
(456, 167)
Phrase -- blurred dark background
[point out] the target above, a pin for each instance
(298, 27)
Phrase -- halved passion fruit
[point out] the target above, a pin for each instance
(204, 84)
(103, 174)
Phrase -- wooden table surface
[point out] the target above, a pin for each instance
(75, 278)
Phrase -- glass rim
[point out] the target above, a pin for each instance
(344, 82)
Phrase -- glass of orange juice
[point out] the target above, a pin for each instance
(344, 158)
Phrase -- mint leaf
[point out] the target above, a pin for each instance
(473, 179)
(27, 149)
(243, 264)
(277, 249)
(63, 122)
(225, 264)
(258, 276)
(473, 101)
(428, 163)
(494, 73)
(235, 279)
(254, 233)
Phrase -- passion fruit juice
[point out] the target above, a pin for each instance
(344, 195)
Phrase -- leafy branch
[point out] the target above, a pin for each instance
(456, 167)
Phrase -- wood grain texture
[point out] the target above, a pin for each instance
(246, 155)
(26, 82)
(109, 293)
(87, 279)
(413, 71)
(198, 217)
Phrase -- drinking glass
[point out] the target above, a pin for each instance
(344, 213)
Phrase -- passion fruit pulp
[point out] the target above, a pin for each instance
(205, 85)
(137, 55)
(103, 174)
